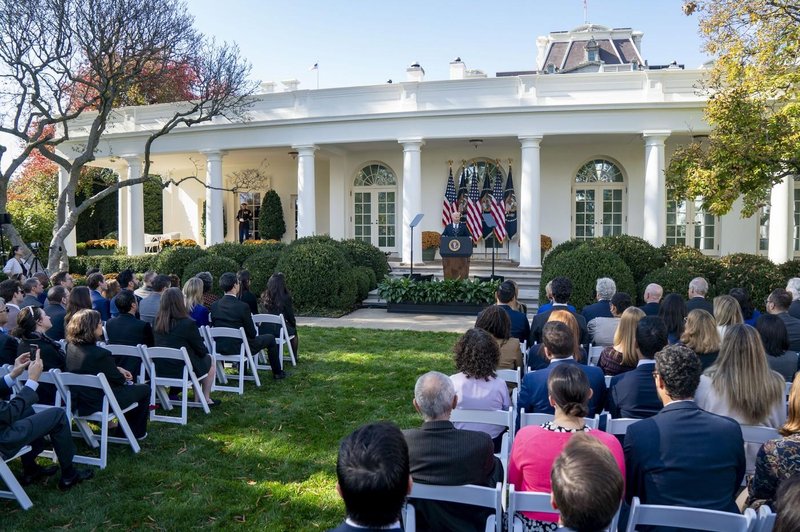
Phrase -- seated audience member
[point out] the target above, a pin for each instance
(749, 313)
(535, 448)
(32, 324)
(633, 394)
(787, 505)
(125, 329)
(244, 291)
(148, 307)
(126, 281)
(441, 454)
(209, 297)
(230, 312)
(683, 456)
(174, 281)
(11, 292)
(8, 344)
(516, 304)
(548, 288)
(505, 297)
(698, 288)
(496, 322)
(276, 299)
(31, 289)
(605, 288)
(778, 304)
(726, 312)
(535, 357)
(622, 356)
(85, 357)
(193, 296)
(777, 459)
(372, 478)
(57, 310)
(602, 329)
(700, 334)
(79, 299)
(112, 289)
(562, 291)
(20, 426)
(652, 299)
(97, 285)
(559, 347)
(673, 311)
(776, 344)
(147, 285)
(587, 485)
(174, 328)
(45, 282)
(476, 384)
(793, 287)
(741, 386)
(62, 279)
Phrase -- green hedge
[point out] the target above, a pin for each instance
(210, 263)
(261, 266)
(175, 259)
(111, 263)
(404, 290)
(789, 269)
(756, 274)
(640, 256)
(563, 247)
(362, 276)
(232, 250)
(673, 279)
(363, 254)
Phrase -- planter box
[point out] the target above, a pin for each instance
(99, 252)
(459, 309)
(429, 255)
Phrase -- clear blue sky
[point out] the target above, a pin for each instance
(365, 42)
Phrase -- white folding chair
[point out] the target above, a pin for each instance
(105, 334)
(159, 385)
(766, 519)
(244, 358)
(757, 435)
(108, 412)
(133, 351)
(510, 375)
(594, 354)
(526, 419)
(608, 380)
(525, 501)
(15, 490)
(693, 518)
(468, 494)
(619, 426)
(503, 418)
(283, 339)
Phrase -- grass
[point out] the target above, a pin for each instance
(263, 460)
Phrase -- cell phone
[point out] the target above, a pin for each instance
(34, 351)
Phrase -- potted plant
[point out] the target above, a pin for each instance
(430, 243)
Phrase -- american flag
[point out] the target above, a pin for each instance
(499, 207)
(449, 200)
(474, 211)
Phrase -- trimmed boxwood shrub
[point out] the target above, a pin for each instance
(318, 274)
(261, 266)
(364, 254)
(174, 260)
(210, 263)
(563, 247)
(758, 275)
(673, 279)
(680, 252)
(362, 279)
(232, 250)
(583, 266)
(111, 263)
(707, 267)
(640, 256)
(789, 269)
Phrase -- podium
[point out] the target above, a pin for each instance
(455, 252)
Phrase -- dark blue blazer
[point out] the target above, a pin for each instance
(344, 527)
(633, 393)
(520, 328)
(101, 305)
(650, 309)
(538, 321)
(701, 303)
(533, 393)
(451, 231)
(547, 306)
(685, 456)
(601, 309)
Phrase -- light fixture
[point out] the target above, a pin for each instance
(293, 154)
(476, 142)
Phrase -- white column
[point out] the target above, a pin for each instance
(412, 197)
(134, 234)
(122, 211)
(781, 222)
(529, 199)
(306, 191)
(69, 242)
(655, 191)
(215, 229)
(337, 198)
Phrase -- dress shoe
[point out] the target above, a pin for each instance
(80, 475)
(29, 477)
(280, 376)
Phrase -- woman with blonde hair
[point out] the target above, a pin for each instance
(535, 358)
(741, 386)
(727, 312)
(700, 334)
(622, 356)
(193, 295)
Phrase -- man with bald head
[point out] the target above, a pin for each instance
(442, 454)
(652, 299)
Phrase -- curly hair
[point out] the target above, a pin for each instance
(680, 369)
(495, 321)
(476, 354)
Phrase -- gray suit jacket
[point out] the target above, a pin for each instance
(148, 308)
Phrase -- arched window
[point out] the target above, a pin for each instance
(375, 175)
(599, 171)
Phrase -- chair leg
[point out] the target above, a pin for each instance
(15, 489)
(252, 364)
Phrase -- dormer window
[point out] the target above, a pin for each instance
(592, 50)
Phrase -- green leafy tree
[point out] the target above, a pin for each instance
(271, 225)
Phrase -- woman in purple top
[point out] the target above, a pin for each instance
(193, 293)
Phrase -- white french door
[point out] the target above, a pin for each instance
(375, 216)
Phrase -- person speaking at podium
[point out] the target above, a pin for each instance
(456, 228)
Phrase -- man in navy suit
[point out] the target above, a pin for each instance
(778, 303)
(562, 291)
(456, 228)
(97, 282)
(559, 345)
(505, 296)
(372, 477)
(652, 299)
(683, 456)
(548, 290)
(698, 288)
(605, 289)
(633, 393)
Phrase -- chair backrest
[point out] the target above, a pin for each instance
(274, 319)
(225, 332)
(594, 354)
(504, 418)
(65, 379)
(468, 494)
(527, 501)
(758, 434)
(619, 426)
(608, 380)
(510, 375)
(766, 519)
(125, 350)
(693, 518)
(170, 353)
(526, 419)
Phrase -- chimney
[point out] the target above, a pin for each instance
(457, 68)
(267, 87)
(290, 84)
(415, 73)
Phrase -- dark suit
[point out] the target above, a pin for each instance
(101, 305)
(90, 360)
(794, 309)
(231, 312)
(600, 309)
(56, 313)
(520, 328)
(684, 456)
(651, 309)
(52, 358)
(633, 393)
(541, 318)
(344, 527)
(184, 334)
(30, 300)
(792, 330)
(701, 303)
(125, 329)
(461, 230)
(533, 392)
(441, 454)
(8, 348)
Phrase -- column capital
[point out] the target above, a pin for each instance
(655, 136)
(133, 160)
(214, 155)
(530, 141)
(305, 150)
(411, 143)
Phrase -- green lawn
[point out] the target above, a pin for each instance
(264, 460)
